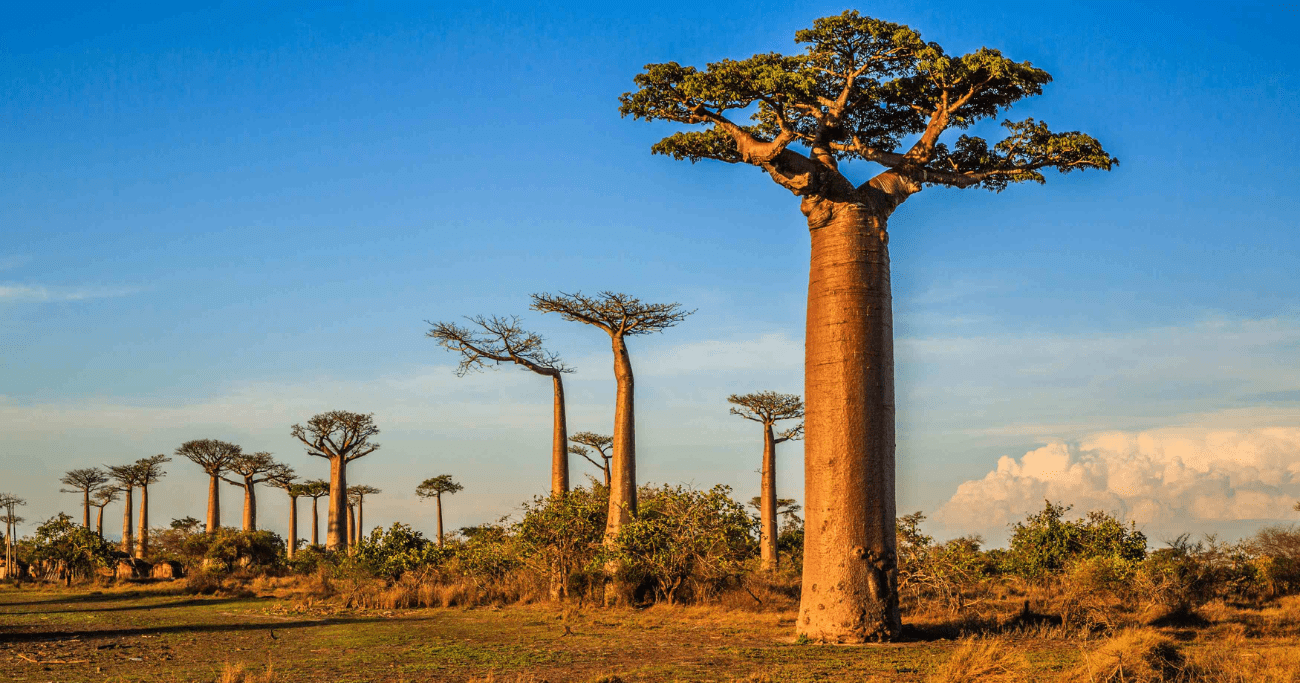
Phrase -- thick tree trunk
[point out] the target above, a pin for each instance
(142, 546)
(767, 500)
(622, 488)
(361, 519)
(128, 540)
(315, 523)
(293, 526)
(336, 528)
(352, 526)
(559, 442)
(250, 505)
(850, 572)
(85, 508)
(438, 500)
(607, 475)
(99, 523)
(214, 504)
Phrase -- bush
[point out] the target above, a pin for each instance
(228, 548)
(1047, 544)
(562, 536)
(80, 551)
(396, 551)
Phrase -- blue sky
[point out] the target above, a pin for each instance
(219, 221)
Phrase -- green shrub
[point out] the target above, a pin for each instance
(562, 535)
(1045, 543)
(396, 551)
(79, 549)
(228, 549)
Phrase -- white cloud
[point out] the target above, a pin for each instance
(36, 293)
(1158, 478)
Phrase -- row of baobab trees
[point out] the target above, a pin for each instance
(226, 462)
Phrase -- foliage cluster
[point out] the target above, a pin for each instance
(78, 550)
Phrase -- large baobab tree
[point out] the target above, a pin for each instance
(359, 492)
(767, 408)
(314, 489)
(501, 340)
(214, 457)
(127, 478)
(859, 90)
(620, 316)
(86, 482)
(599, 443)
(340, 437)
(435, 487)
(101, 499)
(149, 471)
(286, 479)
(253, 469)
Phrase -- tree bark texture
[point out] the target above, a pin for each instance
(352, 526)
(767, 500)
(128, 539)
(293, 525)
(315, 523)
(336, 528)
(214, 504)
(850, 570)
(250, 506)
(142, 545)
(622, 489)
(559, 442)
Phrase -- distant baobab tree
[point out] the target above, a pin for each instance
(501, 340)
(785, 507)
(767, 408)
(597, 442)
(285, 479)
(360, 491)
(435, 487)
(340, 437)
(149, 471)
(214, 457)
(9, 502)
(861, 88)
(253, 469)
(620, 316)
(314, 489)
(101, 499)
(127, 478)
(86, 482)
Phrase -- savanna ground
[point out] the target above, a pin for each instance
(270, 631)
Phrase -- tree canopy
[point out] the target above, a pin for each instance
(618, 314)
(434, 487)
(212, 455)
(338, 434)
(496, 340)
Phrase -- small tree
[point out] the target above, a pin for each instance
(501, 340)
(76, 548)
(148, 471)
(214, 457)
(434, 487)
(254, 469)
(767, 408)
(340, 437)
(127, 478)
(597, 442)
(360, 491)
(315, 489)
(86, 482)
(103, 498)
(620, 316)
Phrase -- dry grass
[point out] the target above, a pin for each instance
(1136, 656)
(238, 673)
(993, 660)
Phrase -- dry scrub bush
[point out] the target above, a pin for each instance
(992, 660)
(237, 673)
(1137, 656)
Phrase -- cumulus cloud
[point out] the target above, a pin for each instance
(1157, 478)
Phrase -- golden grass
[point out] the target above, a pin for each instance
(994, 660)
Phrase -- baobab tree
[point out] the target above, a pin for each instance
(620, 316)
(149, 471)
(101, 499)
(360, 491)
(214, 457)
(286, 479)
(767, 408)
(599, 443)
(86, 482)
(127, 478)
(253, 469)
(785, 507)
(340, 437)
(501, 340)
(314, 489)
(434, 487)
(9, 502)
(860, 88)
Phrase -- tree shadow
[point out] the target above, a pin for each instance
(93, 596)
(90, 634)
(191, 602)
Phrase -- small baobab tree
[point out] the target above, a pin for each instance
(102, 498)
(767, 408)
(435, 487)
(286, 480)
(127, 478)
(498, 340)
(84, 481)
(253, 469)
(600, 443)
(10, 503)
(149, 471)
(214, 457)
(359, 492)
(315, 489)
(340, 437)
(868, 91)
(620, 316)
